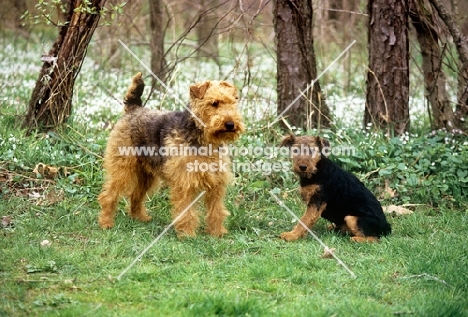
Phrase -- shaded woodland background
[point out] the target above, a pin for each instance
(178, 30)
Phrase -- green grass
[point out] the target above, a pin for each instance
(419, 270)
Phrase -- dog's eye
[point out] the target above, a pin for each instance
(215, 103)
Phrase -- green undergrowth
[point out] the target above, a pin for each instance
(429, 168)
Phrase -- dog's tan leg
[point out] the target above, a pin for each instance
(181, 198)
(137, 196)
(137, 208)
(215, 212)
(108, 200)
(309, 219)
(357, 235)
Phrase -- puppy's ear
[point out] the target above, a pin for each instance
(198, 91)
(288, 141)
(322, 143)
(231, 88)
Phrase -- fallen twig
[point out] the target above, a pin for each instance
(427, 276)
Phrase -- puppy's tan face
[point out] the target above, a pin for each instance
(215, 104)
(305, 152)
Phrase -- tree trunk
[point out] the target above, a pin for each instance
(51, 100)
(388, 75)
(434, 77)
(206, 31)
(19, 8)
(462, 49)
(158, 62)
(296, 66)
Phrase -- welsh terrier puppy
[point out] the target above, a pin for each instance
(332, 193)
(182, 148)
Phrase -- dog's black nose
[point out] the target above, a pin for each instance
(303, 168)
(229, 125)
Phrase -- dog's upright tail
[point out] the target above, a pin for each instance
(132, 99)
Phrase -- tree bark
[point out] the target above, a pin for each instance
(434, 77)
(51, 100)
(462, 49)
(387, 95)
(296, 66)
(158, 62)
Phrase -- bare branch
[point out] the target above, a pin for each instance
(458, 39)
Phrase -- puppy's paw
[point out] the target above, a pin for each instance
(289, 236)
(331, 227)
(364, 239)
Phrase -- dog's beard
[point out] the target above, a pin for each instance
(226, 135)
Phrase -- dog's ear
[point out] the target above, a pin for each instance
(198, 91)
(322, 143)
(288, 141)
(231, 88)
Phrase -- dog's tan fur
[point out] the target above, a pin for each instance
(215, 104)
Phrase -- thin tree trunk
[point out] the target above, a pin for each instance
(206, 31)
(388, 75)
(296, 66)
(19, 8)
(462, 49)
(158, 62)
(51, 100)
(434, 77)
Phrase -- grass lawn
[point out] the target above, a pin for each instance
(418, 270)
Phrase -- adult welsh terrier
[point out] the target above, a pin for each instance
(185, 149)
(332, 193)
